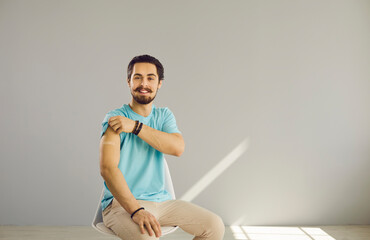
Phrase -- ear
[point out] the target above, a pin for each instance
(160, 84)
(128, 82)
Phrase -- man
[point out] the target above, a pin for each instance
(133, 140)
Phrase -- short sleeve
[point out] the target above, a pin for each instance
(169, 123)
(106, 119)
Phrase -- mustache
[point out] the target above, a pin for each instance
(139, 89)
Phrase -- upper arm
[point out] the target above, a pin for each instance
(109, 150)
(169, 122)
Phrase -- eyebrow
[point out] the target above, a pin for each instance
(150, 74)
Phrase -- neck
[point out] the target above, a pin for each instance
(141, 109)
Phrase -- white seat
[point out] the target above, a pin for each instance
(98, 223)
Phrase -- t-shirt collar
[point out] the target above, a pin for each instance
(138, 115)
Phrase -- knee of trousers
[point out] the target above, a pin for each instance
(215, 226)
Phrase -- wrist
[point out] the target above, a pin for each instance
(135, 125)
(138, 129)
(141, 208)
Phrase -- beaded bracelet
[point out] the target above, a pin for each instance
(139, 129)
(136, 211)
(136, 123)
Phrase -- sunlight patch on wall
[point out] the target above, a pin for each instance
(238, 232)
(216, 171)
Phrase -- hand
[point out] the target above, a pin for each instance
(144, 217)
(121, 124)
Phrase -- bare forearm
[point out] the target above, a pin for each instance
(164, 142)
(168, 143)
(120, 190)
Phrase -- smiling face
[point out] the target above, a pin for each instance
(144, 83)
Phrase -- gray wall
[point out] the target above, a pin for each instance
(291, 77)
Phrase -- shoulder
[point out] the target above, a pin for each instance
(162, 109)
(115, 112)
(163, 112)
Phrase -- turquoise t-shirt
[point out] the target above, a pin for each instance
(141, 164)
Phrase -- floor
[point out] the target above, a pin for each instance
(347, 232)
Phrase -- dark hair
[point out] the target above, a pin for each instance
(148, 59)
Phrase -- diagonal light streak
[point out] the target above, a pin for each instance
(216, 171)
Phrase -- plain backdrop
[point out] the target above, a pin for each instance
(290, 76)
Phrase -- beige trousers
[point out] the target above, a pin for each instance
(191, 218)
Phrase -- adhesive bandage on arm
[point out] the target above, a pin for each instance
(109, 150)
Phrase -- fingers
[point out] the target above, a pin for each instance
(115, 126)
(146, 220)
(111, 120)
(157, 229)
(149, 228)
(153, 226)
(142, 230)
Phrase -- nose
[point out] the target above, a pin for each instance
(144, 82)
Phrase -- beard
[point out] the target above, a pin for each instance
(143, 99)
